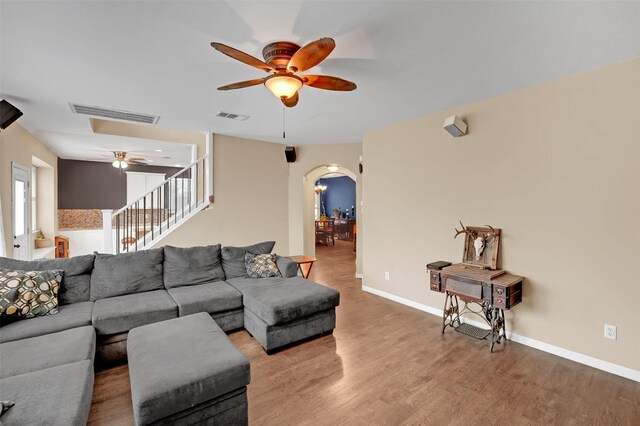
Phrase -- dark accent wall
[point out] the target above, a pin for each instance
(95, 185)
(341, 193)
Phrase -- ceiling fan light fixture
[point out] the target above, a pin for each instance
(119, 164)
(283, 86)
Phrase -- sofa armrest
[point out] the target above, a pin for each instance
(288, 268)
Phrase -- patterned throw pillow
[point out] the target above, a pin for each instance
(261, 265)
(29, 294)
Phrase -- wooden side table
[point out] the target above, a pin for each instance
(304, 264)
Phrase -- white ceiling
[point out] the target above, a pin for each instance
(408, 59)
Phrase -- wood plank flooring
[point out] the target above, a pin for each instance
(388, 364)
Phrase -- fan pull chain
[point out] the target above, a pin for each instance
(283, 134)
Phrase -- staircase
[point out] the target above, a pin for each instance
(144, 222)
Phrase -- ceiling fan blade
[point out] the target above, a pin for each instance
(136, 162)
(242, 84)
(136, 159)
(327, 82)
(242, 57)
(292, 101)
(311, 54)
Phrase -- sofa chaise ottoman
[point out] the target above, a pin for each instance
(59, 395)
(187, 371)
(280, 311)
(48, 377)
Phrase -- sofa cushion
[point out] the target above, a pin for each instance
(126, 273)
(29, 294)
(54, 396)
(181, 363)
(210, 298)
(288, 268)
(261, 265)
(192, 265)
(68, 316)
(280, 300)
(50, 350)
(76, 281)
(122, 313)
(233, 258)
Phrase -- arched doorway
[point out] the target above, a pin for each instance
(309, 207)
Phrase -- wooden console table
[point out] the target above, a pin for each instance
(493, 290)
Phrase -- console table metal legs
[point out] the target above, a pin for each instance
(494, 317)
(451, 312)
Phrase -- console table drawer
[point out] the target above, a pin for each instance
(507, 297)
(434, 280)
(463, 288)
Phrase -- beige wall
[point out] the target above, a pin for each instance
(18, 145)
(47, 205)
(556, 167)
(302, 175)
(250, 187)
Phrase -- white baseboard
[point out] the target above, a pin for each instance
(403, 301)
(609, 367)
(358, 275)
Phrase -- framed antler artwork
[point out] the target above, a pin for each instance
(481, 246)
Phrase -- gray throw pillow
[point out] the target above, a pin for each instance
(126, 273)
(233, 258)
(192, 265)
(261, 265)
(76, 282)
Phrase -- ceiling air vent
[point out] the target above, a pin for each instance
(238, 117)
(114, 114)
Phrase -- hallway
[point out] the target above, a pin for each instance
(336, 263)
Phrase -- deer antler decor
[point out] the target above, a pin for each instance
(480, 238)
(464, 230)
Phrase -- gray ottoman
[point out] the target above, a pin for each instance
(186, 371)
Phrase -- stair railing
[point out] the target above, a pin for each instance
(141, 222)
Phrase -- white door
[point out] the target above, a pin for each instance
(20, 211)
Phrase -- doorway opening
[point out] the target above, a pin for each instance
(331, 215)
(335, 209)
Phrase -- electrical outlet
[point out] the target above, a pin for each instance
(610, 331)
(386, 276)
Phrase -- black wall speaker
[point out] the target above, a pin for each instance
(8, 114)
(290, 154)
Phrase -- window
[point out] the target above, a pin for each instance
(34, 207)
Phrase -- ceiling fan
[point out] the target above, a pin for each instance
(122, 162)
(283, 59)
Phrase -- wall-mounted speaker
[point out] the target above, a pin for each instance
(290, 154)
(8, 114)
(455, 126)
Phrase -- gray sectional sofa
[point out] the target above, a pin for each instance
(102, 297)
